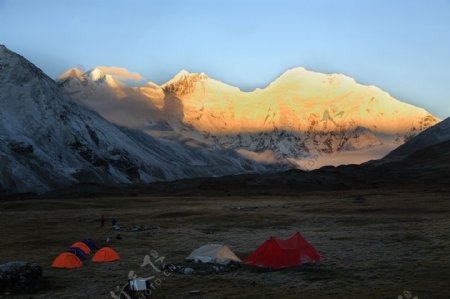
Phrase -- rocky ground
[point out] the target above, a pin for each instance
(378, 243)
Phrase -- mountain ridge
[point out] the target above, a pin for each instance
(424, 168)
(439, 133)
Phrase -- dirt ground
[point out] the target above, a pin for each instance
(378, 243)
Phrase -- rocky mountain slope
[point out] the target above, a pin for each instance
(304, 118)
(48, 141)
(435, 135)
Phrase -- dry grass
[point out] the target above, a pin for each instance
(377, 244)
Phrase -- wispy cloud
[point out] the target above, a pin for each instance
(121, 73)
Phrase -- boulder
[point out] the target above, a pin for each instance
(20, 277)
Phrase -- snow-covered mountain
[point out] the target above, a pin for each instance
(48, 141)
(306, 118)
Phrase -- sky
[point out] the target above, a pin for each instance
(401, 46)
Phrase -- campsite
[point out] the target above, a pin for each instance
(375, 244)
(224, 149)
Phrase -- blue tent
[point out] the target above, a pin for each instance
(78, 252)
(90, 243)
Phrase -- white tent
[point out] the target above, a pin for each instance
(213, 253)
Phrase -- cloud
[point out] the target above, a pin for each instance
(121, 73)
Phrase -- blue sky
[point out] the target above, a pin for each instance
(402, 46)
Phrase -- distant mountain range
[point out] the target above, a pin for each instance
(48, 141)
(413, 165)
(197, 127)
(303, 118)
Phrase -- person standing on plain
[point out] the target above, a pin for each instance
(102, 221)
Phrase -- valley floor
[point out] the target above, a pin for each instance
(378, 243)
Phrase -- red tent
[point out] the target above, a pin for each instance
(277, 254)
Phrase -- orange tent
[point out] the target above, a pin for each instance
(67, 260)
(82, 246)
(106, 254)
